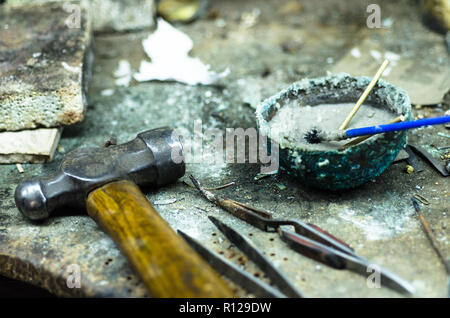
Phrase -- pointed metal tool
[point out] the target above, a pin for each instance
(341, 260)
(250, 250)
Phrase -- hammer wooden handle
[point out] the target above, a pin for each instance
(166, 263)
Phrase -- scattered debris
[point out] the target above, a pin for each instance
(166, 201)
(443, 135)
(290, 7)
(291, 46)
(249, 19)
(409, 169)
(201, 209)
(212, 189)
(107, 92)
(260, 175)
(168, 49)
(355, 52)
(234, 207)
(421, 199)
(112, 141)
(19, 167)
(445, 156)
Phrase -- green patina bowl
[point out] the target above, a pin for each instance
(335, 170)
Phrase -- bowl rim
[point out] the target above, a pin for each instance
(262, 111)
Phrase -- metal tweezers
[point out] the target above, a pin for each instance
(228, 269)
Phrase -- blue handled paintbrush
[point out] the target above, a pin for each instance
(315, 135)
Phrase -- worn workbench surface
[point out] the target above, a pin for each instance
(377, 219)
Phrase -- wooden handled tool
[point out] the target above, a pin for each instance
(104, 181)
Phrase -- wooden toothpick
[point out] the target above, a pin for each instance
(364, 95)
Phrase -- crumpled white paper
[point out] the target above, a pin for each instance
(169, 48)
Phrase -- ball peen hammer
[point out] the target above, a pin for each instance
(104, 181)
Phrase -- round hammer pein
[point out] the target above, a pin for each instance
(104, 182)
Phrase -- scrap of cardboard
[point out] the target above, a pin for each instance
(425, 85)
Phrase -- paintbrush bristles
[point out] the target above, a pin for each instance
(316, 135)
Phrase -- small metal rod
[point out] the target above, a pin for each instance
(429, 233)
(213, 189)
(360, 139)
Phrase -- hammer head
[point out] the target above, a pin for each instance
(153, 158)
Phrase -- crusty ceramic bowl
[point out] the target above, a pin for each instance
(335, 170)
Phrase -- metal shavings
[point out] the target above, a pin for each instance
(19, 167)
(412, 160)
(409, 169)
(201, 209)
(443, 135)
(260, 176)
(421, 199)
(166, 202)
(445, 156)
(212, 189)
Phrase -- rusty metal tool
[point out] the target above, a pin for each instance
(258, 287)
(434, 243)
(104, 182)
(308, 240)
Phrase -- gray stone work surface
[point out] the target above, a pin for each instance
(266, 49)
